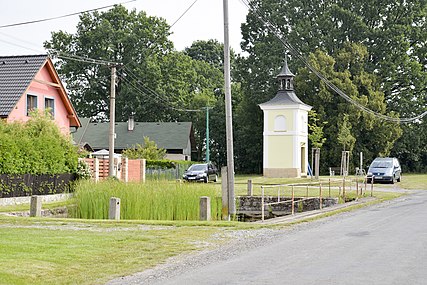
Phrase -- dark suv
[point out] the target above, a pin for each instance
(201, 172)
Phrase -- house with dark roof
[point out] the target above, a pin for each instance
(31, 82)
(177, 138)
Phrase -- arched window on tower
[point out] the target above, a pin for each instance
(280, 124)
(288, 83)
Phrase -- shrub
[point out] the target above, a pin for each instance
(148, 151)
(36, 147)
(83, 170)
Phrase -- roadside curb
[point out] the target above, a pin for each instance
(312, 214)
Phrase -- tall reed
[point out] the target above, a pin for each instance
(154, 200)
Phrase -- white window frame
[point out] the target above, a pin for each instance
(53, 100)
(26, 103)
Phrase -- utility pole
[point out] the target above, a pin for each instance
(228, 114)
(112, 121)
(207, 135)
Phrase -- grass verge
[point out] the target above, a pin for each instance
(65, 251)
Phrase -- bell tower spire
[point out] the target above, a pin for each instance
(286, 77)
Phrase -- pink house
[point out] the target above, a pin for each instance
(31, 82)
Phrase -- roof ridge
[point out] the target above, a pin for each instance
(18, 56)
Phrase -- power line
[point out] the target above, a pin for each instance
(152, 92)
(22, 41)
(64, 55)
(275, 30)
(21, 46)
(63, 16)
(182, 15)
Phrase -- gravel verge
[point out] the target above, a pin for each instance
(241, 241)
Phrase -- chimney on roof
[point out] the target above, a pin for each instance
(131, 123)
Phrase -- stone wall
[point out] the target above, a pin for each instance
(26, 200)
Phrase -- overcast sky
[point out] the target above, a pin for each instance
(202, 22)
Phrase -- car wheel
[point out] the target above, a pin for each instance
(206, 180)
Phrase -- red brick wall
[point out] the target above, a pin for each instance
(134, 170)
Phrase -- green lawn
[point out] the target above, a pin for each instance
(414, 181)
(60, 251)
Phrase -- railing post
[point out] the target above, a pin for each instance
(329, 187)
(372, 185)
(365, 182)
(250, 188)
(293, 201)
(262, 203)
(320, 196)
(343, 189)
(357, 188)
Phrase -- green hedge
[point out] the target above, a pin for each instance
(35, 147)
(165, 164)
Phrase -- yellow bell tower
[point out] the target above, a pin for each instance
(285, 146)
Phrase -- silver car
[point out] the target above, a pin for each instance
(385, 169)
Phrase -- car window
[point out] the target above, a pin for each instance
(197, 167)
(382, 164)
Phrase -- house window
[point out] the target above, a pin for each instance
(280, 124)
(31, 103)
(49, 104)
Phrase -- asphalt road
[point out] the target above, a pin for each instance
(381, 244)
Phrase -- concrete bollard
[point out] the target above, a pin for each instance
(114, 210)
(36, 206)
(250, 188)
(205, 208)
